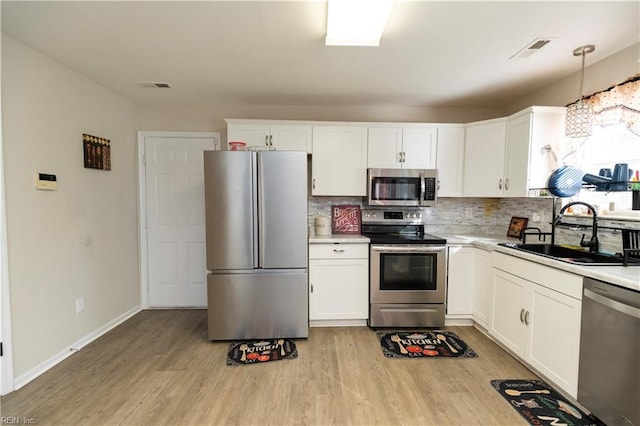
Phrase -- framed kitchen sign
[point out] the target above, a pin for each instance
(97, 152)
(516, 226)
(345, 219)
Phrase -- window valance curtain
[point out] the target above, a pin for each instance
(617, 104)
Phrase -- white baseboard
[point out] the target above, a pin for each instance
(456, 320)
(338, 323)
(25, 378)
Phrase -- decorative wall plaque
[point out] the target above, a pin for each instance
(516, 226)
(345, 219)
(97, 152)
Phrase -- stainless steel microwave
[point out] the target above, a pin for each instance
(402, 187)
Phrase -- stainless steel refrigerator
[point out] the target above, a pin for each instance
(256, 232)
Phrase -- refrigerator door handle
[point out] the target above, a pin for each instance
(257, 261)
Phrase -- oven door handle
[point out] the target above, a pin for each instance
(423, 189)
(408, 249)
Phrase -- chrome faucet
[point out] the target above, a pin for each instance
(593, 242)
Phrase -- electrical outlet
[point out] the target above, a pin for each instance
(468, 212)
(79, 305)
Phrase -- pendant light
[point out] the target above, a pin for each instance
(579, 114)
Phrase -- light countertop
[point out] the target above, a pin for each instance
(338, 238)
(628, 277)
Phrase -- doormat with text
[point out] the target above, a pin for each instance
(260, 351)
(423, 344)
(539, 404)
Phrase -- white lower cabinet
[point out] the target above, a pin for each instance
(468, 284)
(460, 279)
(539, 321)
(481, 287)
(338, 284)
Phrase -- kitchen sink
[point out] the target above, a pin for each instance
(571, 255)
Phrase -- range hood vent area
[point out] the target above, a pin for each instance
(154, 84)
(532, 48)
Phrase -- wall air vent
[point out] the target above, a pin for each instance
(154, 84)
(532, 48)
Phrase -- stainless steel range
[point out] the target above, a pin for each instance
(407, 275)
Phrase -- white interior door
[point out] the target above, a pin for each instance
(174, 181)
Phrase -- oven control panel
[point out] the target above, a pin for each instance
(395, 216)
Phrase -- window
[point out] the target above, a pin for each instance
(615, 139)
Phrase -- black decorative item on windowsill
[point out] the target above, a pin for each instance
(635, 191)
(621, 180)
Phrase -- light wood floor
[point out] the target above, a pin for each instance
(159, 369)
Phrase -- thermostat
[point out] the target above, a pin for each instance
(46, 181)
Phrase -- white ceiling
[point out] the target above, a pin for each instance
(272, 53)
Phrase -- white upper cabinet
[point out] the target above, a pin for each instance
(534, 137)
(339, 161)
(419, 147)
(281, 136)
(450, 160)
(484, 153)
(512, 156)
(402, 147)
(384, 147)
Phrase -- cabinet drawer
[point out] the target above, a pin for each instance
(338, 251)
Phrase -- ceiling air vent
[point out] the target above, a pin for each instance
(154, 84)
(531, 48)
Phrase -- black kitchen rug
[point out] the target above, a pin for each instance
(423, 344)
(260, 351)
(539, 404)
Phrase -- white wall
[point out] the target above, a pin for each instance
(612, 70)
(78, 241)
(599, 76)
(211, 119)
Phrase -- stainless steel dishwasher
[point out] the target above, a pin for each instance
(609, 371)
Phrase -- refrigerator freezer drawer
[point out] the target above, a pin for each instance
(265, 305)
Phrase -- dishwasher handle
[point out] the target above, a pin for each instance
(612, 304)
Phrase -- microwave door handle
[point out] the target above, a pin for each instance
(422, 189)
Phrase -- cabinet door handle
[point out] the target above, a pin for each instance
(526, 318)
(500, 184)
(311, 287)
(270, 141)
(266, 140)
(506, 184)
(338, 250)
(313, 184)
(522, 315)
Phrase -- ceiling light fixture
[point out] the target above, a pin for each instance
(579, 114)
(356, 22)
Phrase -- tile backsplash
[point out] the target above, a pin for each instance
(478, 216)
